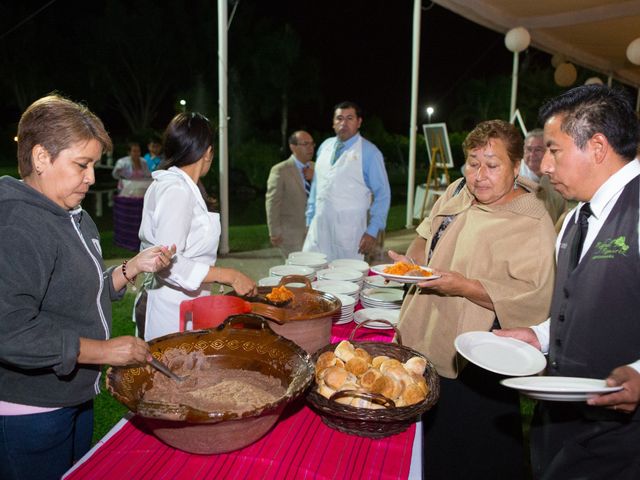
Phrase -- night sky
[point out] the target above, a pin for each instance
(365, 47)
(362, 47)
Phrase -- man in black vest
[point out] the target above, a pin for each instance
(591, 134)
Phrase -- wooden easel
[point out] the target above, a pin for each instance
(435, 186)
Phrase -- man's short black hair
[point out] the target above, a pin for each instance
(349, 104)
(591, 109)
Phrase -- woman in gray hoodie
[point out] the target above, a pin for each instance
(55, 293)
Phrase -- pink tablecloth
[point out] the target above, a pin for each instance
(299, 446)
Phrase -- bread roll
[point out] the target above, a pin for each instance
(325, 360)
(412, 394)
(416, 365)
(377, 361)
(392, 388)
(398, 373)
(362, 353)
(349, 385)
(324, 390)
(421, 382)
(357, 365)
(335, 377)
(347, 399)
(365, 403)
(391, 363)
(345, 351)
(371, 380)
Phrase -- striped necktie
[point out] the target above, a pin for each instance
(307, 183)
(337, 151)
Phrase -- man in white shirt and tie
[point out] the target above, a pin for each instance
(287, 191)
(592, 134)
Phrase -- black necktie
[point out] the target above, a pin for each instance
(581, 234)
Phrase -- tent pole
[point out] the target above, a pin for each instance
(413, 121)
(223, 149)
(514, 86)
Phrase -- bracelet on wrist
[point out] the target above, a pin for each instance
(124, 274)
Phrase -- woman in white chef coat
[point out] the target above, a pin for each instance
(175, 211)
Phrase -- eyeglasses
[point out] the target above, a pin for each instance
(306, 144)
(535, 149)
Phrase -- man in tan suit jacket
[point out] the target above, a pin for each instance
(287, 191)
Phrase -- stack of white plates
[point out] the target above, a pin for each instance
(284, 270)
(342, 274)
(346, 312)
(391, 316)
(378, 281)
(310, 260)
(318, 255)
(385, 298)
(274, 281)
(337, 286)
(350, 263)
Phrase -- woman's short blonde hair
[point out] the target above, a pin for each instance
(485, 131)
(56, 123)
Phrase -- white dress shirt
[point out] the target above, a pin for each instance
(601, 204)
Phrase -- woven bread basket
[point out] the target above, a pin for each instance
(375, 423)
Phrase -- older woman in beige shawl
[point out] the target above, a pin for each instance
(492, 242)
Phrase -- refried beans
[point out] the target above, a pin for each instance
(210, 388)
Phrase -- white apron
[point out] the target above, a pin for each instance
(164, 296)
(342, 202)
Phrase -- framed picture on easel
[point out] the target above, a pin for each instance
(437, 138)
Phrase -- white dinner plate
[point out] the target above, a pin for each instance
(344, 274)
(503, 355)
(321, 257)
(348, 302)
(336, 286)
(382, 295)
(284, 270)
(392, 316)
(378, 281)
(379, 269)
(275, 281)
(559, 389)
(350, 263)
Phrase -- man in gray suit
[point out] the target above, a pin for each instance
(287, 191)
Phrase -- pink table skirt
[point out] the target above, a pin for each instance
(299, 446)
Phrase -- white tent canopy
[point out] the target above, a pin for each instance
(591, 33)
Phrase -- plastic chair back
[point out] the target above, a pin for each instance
(210, 311)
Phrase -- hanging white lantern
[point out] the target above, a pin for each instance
(565, 75)
(557, 59)
(593, 81)
(517, 39)
(633, 51)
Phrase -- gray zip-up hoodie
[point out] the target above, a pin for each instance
(53, 290)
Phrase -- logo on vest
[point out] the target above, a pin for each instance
(610, 248)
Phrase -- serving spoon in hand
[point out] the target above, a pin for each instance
(163, 368)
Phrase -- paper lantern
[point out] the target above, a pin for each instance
(517, 39)
(593, 81)
(565, 75)
(633, 51)
(557, 59)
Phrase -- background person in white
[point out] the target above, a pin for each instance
(592, 134)
(530, 167)
(174, 209)
(287, 191)
(349, 170)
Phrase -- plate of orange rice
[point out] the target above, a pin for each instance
(404, 272)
